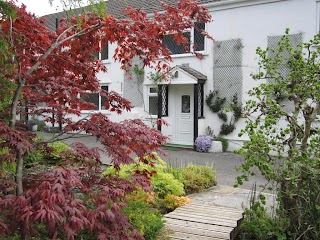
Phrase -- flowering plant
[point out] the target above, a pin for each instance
(203, 143)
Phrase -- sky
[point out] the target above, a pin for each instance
(41, 7)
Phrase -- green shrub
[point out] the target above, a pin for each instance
(6, 167)
(58, 147)
(195, 178)
(225, 143)
(163, 182)
(144, 218)
(258, 224)
(35, 156)
(55, 150)
(171, 202)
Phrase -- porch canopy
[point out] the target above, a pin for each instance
(183, 75)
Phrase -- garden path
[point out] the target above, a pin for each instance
(213, 214)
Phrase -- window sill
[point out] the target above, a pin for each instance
(107, 61)
(152, 117)
(184, 55)
(106, 112)
(188, 55)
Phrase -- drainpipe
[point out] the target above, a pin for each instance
(195, 114)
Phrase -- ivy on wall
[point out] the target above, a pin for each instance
(216, 105)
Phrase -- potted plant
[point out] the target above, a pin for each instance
(203, 143)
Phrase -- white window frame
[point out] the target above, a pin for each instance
(191, 31)
(150, 94)
(100, 103)
(100, 52)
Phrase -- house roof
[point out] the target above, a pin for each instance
(193, 72)
(115, 8)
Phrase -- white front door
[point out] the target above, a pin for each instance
(184, 114)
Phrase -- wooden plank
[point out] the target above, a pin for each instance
(196, 221)
(208, 213)
(198, 225)
(203, 219)
(209, 216)
(208, 205)
(216, 213)
(199, 231)
(212, 206)
(182, 236)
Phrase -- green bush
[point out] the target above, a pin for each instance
(144, 218)
(225, 143)
(52, 153)
(58, 147)
(55, 150)
(258, 224)
(171, 202)
(6, 167)
(195, 178)
(163, 182)
(35, 156)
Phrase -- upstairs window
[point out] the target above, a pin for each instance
(103, 54)
(96, 99)
(175, 48)
(196, 40)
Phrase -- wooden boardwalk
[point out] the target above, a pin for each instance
(197, 221)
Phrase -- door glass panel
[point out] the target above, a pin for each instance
(185, 106)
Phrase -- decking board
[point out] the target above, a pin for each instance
(198, 231)
(198, 225)
(200, 212)
(202, 222)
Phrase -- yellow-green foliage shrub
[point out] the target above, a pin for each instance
(163, 182)
(171, 202)
(148, 221)
(57, 148)
(6, 167)
(195, 178)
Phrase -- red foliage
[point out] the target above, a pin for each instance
(55, 204)
(15, 140)
(54, 68)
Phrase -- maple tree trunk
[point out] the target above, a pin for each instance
(14, 106)
(12, 124)
(19, 167)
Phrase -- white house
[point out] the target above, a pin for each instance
(239, 27)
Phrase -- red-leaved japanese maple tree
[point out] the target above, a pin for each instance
(54, 68)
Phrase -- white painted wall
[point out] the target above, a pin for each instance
(253, 24)
(250, 20)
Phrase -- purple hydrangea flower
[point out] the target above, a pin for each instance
(203, 143)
